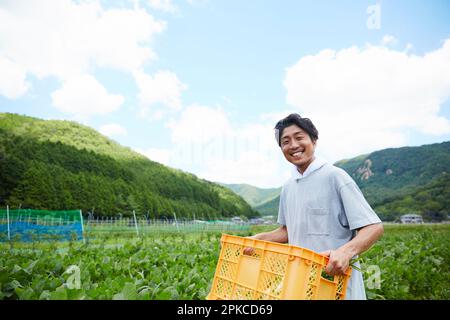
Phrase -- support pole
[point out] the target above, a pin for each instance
(82, 227)
(135, 223)
(176, 222)
(7, 218)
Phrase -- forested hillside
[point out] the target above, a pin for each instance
(52, 164)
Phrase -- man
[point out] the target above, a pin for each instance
(321, 207)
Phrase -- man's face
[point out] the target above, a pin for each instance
(297, 147)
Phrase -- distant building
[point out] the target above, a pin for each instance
(256, 221)
(411, 218)
(237, 220)
(269, 219)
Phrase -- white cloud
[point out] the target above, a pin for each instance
(363, 99)
(199, 124)
(207, 143)
(155, 154)
(68, 40)
(113, 129)
(162, 88)
(409, 47)
(163, 5)
(122, 37)
(389, 40)
(61, 38)
(197, 3)
(71, 39)
(250, 167)
(13, 82)
(84, 96)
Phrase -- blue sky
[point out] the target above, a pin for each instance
(198, 85)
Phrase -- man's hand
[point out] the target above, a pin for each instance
(364, 239)
(249, 250)
(338, 263)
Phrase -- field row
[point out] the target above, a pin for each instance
(409, 262)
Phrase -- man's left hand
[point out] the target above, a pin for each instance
(338, 263)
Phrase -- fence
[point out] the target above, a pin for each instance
(141, 226)
(29, 225)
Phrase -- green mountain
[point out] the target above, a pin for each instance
(52, 164)
(397, 181)
(253, 195)
(269, 208)
(404, 180)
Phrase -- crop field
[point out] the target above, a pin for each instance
(409, 262)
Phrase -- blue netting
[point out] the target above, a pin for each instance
(24, 231)
(30, 225)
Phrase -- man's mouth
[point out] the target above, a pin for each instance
(297, 154)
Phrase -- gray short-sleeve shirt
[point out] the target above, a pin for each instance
(322, 211)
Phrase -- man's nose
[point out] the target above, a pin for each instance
(294, 144)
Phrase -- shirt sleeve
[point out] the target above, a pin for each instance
(282, 209)
(358, 212)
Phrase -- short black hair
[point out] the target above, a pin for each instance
(294, 118)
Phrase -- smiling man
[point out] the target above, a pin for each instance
(321, 207)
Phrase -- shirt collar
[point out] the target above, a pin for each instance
(313, 166)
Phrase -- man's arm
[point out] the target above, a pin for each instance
(340, 258)
(278, 235)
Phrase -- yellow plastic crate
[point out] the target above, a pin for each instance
(274, 271)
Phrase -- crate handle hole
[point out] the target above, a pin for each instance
(326, 276)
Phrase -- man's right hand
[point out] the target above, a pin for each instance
(249, 251)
